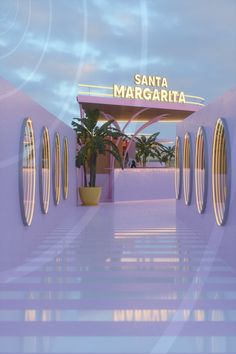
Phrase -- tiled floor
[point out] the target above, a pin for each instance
(120, 278)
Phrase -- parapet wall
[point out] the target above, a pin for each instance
(143, 184)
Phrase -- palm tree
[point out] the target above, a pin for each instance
(168, 154)
(146, 147)
(92, 141)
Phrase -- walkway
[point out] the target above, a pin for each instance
(120, 278)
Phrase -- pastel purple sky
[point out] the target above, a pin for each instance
(47, 47)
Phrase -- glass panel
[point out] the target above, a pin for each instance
(219, 172)
(57, 169)
(28, 173)
(65, 168)
(200, 171)
(45, 171)
(177, 168)
(187, 169)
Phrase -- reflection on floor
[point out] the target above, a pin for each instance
(120, 278)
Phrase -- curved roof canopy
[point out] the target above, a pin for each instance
(122, 109)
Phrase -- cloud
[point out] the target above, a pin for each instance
(60, 46)
(126, 63)
(103, 41)
(65, 89)
(28, 75)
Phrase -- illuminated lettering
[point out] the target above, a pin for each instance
(144, 80)
(137, 79)
(151, 81)
(138, 93)
(181, 97)
(164, 96)
(164, 82)
(175, 95)
(147, 94)
(158, 81)
(156, 96)
(170, 96)
(118, 91)
(155, 81)
(129, 92)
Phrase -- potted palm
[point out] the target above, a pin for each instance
(94, 140)
(148, 146)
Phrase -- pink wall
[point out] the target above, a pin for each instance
(221, 238)
(18, 241)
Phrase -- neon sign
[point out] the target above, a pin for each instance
(156, 90)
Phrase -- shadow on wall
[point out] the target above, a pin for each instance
(38, 178)
(211, 173)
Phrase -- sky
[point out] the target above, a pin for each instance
(48, 47)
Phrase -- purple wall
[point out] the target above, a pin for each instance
(17, 241)
(221, 238)
(143, 184)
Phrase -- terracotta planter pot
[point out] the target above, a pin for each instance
(90, 195)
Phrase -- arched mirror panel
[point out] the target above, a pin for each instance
(220, 170)
(200, 170)
(65, 168)
(45, 171)
(57, 169)
(187, 169)
(28, 172)
(177, 168)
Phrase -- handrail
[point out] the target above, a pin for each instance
(195, 100)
